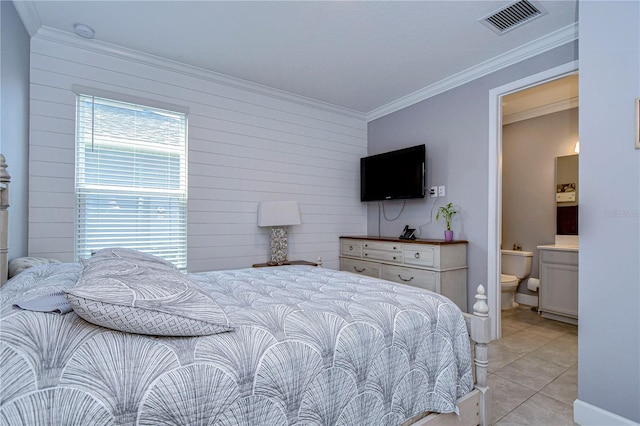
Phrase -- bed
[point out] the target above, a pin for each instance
(262, 346)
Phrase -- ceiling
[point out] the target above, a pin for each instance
(360, 55)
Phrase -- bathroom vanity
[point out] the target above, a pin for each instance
(559, 282)
(558, 262)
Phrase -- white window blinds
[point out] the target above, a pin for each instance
(131, 179)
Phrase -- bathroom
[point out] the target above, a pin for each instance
(540, 194)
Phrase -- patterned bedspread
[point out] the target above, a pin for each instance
(311, 346)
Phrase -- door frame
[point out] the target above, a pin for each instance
(495, 181)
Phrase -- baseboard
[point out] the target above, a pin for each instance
(527, 299)
(585, 414)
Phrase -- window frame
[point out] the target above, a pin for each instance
(151, 167)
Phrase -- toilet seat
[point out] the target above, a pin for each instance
(508, 288)
(508, 280)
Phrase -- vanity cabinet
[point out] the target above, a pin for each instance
(430, 264)
(559, 283)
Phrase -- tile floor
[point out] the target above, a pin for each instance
(533, 370)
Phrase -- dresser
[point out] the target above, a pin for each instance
(434, 265)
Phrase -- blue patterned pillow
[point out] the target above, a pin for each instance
(136, 295)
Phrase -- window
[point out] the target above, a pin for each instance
(131, 180)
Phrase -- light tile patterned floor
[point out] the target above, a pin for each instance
(533, 370)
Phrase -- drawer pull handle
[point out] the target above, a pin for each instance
(417, 255)
(394, 258)
(366, 254)
(404, 279)
(359, 270)
(395, 248)
(351, 248)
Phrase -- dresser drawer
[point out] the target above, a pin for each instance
(381, 250)
(351, 248)
(389, 256)
(382, 246)
(422, 256)
(415, 277)
(371, 269)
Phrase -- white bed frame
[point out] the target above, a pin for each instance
(474, 407)
(4, 220)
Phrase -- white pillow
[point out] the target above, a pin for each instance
(142, 296)
(131, 254)
(22, 263)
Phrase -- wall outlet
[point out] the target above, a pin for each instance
(441, 191)
(433, 191)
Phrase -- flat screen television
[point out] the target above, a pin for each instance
(393, 175)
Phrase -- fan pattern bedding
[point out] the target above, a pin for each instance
(310, 346)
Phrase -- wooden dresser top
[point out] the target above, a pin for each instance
(398, 240)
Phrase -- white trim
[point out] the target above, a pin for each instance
(541, 110)
(550, 41)
(32, 23)
(586, 414)
(117, 96)
(58, 36)
(494, 206)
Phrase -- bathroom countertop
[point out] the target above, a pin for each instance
(559, 247)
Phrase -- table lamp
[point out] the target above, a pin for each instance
(278, 215)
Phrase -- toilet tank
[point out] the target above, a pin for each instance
(516, 263)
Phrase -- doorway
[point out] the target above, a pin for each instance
(495, 181)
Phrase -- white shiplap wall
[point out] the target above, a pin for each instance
(246, 143)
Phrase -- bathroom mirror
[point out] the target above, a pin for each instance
(567, 195)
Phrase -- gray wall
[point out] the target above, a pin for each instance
(529, 150)
(609, 300)
(14, 132)
(454, 126)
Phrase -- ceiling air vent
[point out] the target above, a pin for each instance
(512, 16)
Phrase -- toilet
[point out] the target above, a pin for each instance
(516, 265)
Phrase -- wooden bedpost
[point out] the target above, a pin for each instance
(5, 178)
(481, 309)
(480, 331)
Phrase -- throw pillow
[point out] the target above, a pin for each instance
(143, 296)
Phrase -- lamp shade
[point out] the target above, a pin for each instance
(278, 213)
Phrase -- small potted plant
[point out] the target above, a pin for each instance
(447, 213)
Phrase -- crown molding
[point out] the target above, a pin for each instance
(31, 20)
(28, 15)
(120, 52)
(541, 110)
(550, 41)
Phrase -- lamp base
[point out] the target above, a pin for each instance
(279, 249)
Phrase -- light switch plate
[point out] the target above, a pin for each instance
(441, 191)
